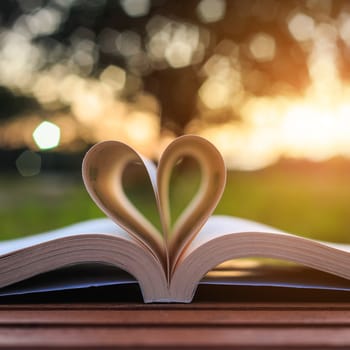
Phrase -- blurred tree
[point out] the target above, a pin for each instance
(101, 69)
(175, 88)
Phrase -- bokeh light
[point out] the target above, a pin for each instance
(136, 8)
(211, 10)
(28, 163)
(262, 80)
(263, 47)
(301, 26)
(47, 135)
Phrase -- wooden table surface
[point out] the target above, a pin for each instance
(203, 325)
(249, 322)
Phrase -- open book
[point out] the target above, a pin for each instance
(168, 261)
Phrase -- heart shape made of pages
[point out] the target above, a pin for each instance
(103, 168)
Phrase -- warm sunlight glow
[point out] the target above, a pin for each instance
(114, 76)
(308, 129)
(344, 27)
(263, 47)
(47, 135)
(90, 101)
(301, 26)
(215, 93)
(314, 125)
(178, 54)
(262, 81)
(148, 134)
(178, 44)
(228, 273)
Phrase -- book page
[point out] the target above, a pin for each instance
(73, 277)
(224, 238)
(103, 168)
(95, 226)
(219, 225)
(203, 203)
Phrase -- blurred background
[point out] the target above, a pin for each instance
(267, 81)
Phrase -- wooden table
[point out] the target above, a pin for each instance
(249, 322)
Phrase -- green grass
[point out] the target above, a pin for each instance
(311, 200)
(310, 203)
(32, 205)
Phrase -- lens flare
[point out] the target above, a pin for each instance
(47, 135)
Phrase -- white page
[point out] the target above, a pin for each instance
(105, 226)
